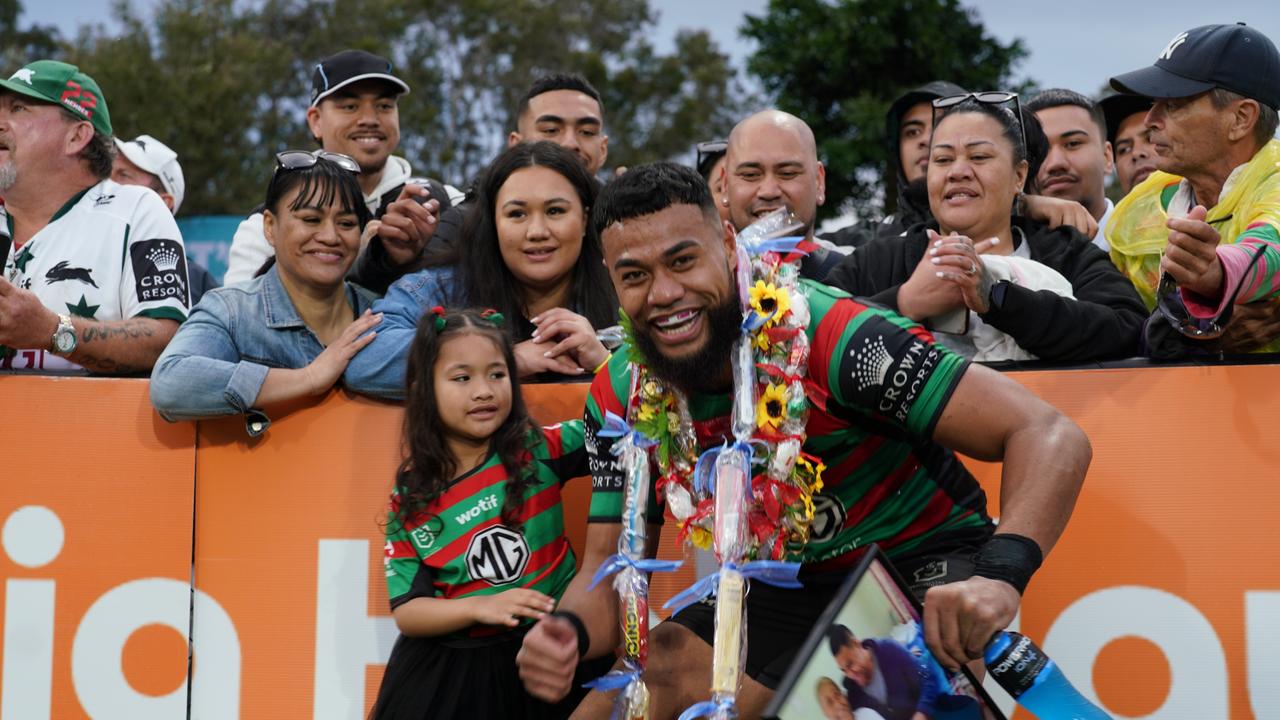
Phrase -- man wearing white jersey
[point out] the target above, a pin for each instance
(94, 273)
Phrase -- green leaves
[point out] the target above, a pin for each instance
(839, 64)
(226, 82)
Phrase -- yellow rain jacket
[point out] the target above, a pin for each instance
(1137, 232)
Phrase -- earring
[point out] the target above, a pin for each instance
(724, 201)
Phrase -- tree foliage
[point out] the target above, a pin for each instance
(839, 64)
(17, 45)
(226, 82)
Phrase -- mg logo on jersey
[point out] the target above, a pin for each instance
(828, 518)
(497, 555)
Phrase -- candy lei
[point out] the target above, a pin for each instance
(770, 410)
(751, 499)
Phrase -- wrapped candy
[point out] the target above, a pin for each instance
(631, 566)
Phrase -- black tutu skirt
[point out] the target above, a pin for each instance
(437, 679)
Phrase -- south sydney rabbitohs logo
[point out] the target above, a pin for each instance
(159, 270)
(497, 555)
(828, 519)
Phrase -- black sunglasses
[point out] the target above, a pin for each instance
(301, 159)
(990, 97)
(1169, 302)
(707, 154)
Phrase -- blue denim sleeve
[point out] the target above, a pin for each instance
(379, 369)
(200, 374)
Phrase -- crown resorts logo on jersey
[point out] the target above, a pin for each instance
(497, 555)
(873, 363)
(159, 270)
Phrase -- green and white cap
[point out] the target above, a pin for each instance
(62, 84)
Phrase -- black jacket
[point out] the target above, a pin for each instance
(1103, 322)
(913, 204)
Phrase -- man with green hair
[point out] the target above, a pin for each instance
(94, 273)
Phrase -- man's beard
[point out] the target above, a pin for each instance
(703, 370)
(8, 175)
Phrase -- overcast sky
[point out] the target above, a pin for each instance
(1076, 44)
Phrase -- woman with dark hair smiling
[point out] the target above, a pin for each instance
(996, 286)
(524, 250)
(291, 331)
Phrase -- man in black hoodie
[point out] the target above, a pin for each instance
(907, 128)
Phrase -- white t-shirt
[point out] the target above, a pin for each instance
(111, 253)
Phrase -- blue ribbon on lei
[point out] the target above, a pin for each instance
(782, 245)
(777, 573)
(613, 680)
(618, 561)
(616, 427)
(709, 708)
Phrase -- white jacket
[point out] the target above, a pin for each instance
(249, 247)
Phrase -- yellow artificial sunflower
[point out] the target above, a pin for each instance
(700, 537)
(770, 301)
(647, 412)
(808, 470)
(772, 407)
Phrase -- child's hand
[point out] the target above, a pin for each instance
(506, 608)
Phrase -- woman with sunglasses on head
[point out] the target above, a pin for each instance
(291, 331)
(524, 249)
(995, 285)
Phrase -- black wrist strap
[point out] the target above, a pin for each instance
(1008, 557)
(584, 640)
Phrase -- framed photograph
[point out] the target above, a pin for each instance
(866, 660)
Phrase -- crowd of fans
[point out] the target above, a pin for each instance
(1189, 142)
(1003, 243)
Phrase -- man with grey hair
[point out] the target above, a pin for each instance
(94, 272)
(1212, 205)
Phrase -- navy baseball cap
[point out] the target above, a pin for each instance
(1232, 57)
(349, 66)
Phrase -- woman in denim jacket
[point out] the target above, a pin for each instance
(291, 331)
(525, 249)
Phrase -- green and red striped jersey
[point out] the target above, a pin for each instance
(457, 546)
(877, 385)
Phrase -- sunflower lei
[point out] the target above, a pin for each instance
(783, 478)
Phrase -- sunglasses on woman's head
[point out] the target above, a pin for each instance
(1169, 302)
(989, 97)
(301, 159)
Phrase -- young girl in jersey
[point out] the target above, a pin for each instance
(476, 550)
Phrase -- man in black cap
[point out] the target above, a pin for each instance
(1215, 92)
(354, 112)
(1130, 138)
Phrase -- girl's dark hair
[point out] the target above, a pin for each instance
(488, 281)
(1012, 127)
(428, 466)
(322, 184)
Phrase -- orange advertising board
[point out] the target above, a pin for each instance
(1160, 601)
(95, 501)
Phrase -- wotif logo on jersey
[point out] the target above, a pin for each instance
(485, 504)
